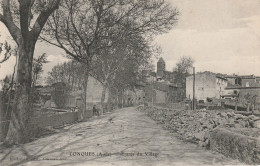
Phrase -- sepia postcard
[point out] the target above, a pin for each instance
(129, 82)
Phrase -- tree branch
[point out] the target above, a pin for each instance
(24, 9)
(7, 19)
(42, 18)
(76, 30)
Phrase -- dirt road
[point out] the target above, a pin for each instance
(125, 137)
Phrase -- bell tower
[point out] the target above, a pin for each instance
(160, 68)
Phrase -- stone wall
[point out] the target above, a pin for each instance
(160, 96)
(55, 120)
(242, 145)
(196, 125)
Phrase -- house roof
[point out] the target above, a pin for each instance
(236, 86)
(210, 73)
(247, 77)
(161, 60)
(221, 77)
(231, 86)
(162, 86)
(231, 95)
(232, 76)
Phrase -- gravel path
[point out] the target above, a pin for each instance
(124, 137)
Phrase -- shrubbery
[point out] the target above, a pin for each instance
(60, 94)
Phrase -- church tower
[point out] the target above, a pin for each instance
(160, 68)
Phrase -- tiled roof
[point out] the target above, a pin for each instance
(221, 77)
(236, 86)
(247, 77)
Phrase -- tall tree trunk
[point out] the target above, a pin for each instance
(109, 101)
(19, 127)
(84, 93)
(103, 97)
(2, 116)
(7, 103)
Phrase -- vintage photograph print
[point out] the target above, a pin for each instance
(129, 82)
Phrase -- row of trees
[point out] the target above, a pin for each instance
(97, 33)
(89, 31)
(69, 73)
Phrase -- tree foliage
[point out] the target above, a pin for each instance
(184, 65)
(78, 27)
(60, 94)
(38, 67)
(18, 17)
(91, 31)
(5, 51)
(69, 73)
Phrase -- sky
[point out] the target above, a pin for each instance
(222, 36)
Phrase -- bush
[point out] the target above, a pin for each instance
(60, 94)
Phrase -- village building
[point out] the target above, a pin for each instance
(94, 94)
(207, 85)
(163, 86)
(244, 86)
(134, 96)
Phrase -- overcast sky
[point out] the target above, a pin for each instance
(220, 35)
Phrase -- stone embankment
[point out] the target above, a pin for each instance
(203, 127)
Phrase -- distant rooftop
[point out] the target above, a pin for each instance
(247, 76)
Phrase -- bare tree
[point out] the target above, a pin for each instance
(79, 27)
(184, 65)
(182, 70)
(17, 16)
(127, 55)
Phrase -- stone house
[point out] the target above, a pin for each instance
(169, 85)
(251, 89)
(156, 92)
(243, 81)
(232, 79)
(207, 85)
(94, 94)
(135, 96)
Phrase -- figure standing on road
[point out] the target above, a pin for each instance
(95, 110)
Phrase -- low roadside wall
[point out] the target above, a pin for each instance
(238, 146)
(38, 123)
(180, 105)
(196, 126)
(55, 120)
